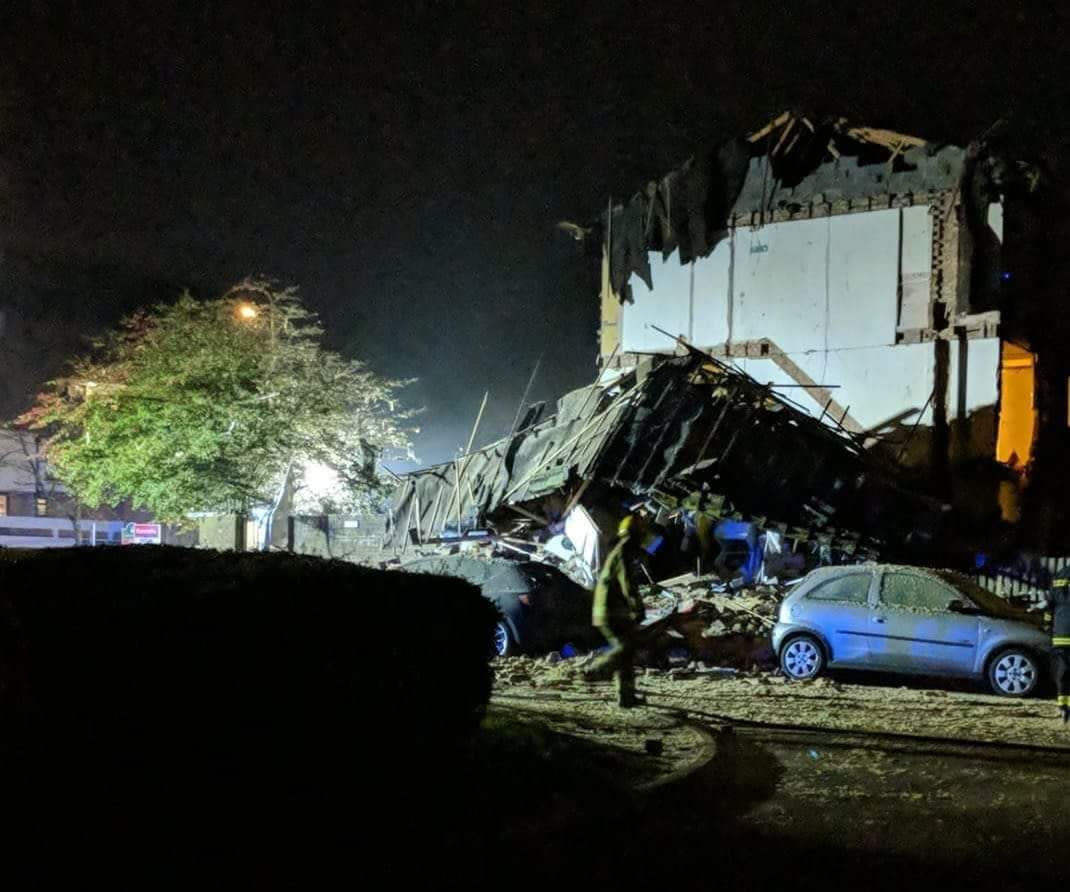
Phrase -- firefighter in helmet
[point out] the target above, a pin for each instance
(618, 607)
(1060, 639)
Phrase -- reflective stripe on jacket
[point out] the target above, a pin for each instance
(1060, 609)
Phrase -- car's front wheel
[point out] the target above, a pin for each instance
(802, 658)
(1013, 673)
(505, 644)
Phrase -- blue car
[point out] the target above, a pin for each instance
(904, 619)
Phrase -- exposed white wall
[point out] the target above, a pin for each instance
(883, 385)
(832, 293)
(982, 376)
(668, 306)
(877, 385)
(803, 284)
(863, 276)
(710, 308)
(780, 284)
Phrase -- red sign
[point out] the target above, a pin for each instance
(142, 534)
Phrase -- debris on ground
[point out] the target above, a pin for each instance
(769, 699)
(714, 627)
(734, 476)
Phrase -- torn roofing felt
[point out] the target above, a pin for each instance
(517, 469)
(789, 163)
(662, 432)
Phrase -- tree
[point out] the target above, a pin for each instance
(209, 405)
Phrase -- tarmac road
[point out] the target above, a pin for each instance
(836, 782)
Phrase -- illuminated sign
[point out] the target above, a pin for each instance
(142, 534)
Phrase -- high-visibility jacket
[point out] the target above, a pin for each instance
(616, 596)
(1060, 608)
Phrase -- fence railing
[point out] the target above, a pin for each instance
(1030, 581)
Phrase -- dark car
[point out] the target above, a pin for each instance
(541, 608)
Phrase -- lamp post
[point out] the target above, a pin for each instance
(248, 313)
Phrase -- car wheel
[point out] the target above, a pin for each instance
(504, 640)
(1013, 673)
(802, 657)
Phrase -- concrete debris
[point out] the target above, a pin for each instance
(735, 477)
(728, 630)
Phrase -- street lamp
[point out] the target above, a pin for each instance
(247, 312)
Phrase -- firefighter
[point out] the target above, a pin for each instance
(1060, 639)
(618, 607)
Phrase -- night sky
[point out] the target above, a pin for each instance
(406, 168)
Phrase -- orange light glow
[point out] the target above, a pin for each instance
(247, 311)
(1017, 415)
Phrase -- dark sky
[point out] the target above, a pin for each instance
(405, 165)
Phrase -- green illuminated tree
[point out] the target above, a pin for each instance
(207, 405)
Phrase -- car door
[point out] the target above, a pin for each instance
(913, 631)
(840, 609)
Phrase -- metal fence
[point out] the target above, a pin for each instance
(1030, 580)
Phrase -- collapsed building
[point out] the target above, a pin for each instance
(810, 333)
(694, 441)
(865, 268)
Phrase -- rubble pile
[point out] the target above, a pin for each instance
(700, 445)
(745, 611)
(704, 632)
(716, 625)
(751, 616)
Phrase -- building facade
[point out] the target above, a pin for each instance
(36, 511)
(861, 273)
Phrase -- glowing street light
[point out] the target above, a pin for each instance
(247, 312)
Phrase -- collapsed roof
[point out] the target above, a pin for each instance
(789, 163)
(687, 433)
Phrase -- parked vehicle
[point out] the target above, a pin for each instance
(541, 608)
(909, 620)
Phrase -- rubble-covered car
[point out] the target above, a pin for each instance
(541, 608)
(904, 619)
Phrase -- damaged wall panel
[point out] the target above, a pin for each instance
(828, 300)
(805, 285)
(667, 306)
(863, 274)
(779, 285)
(915, 268)
(711, 312)
(880, 386)
(979, 387)
(887, 388)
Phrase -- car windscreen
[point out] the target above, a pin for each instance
(991, 604)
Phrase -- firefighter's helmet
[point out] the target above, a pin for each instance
(631, 525)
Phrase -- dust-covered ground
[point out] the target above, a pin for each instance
(877, 704)
(831, 779)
